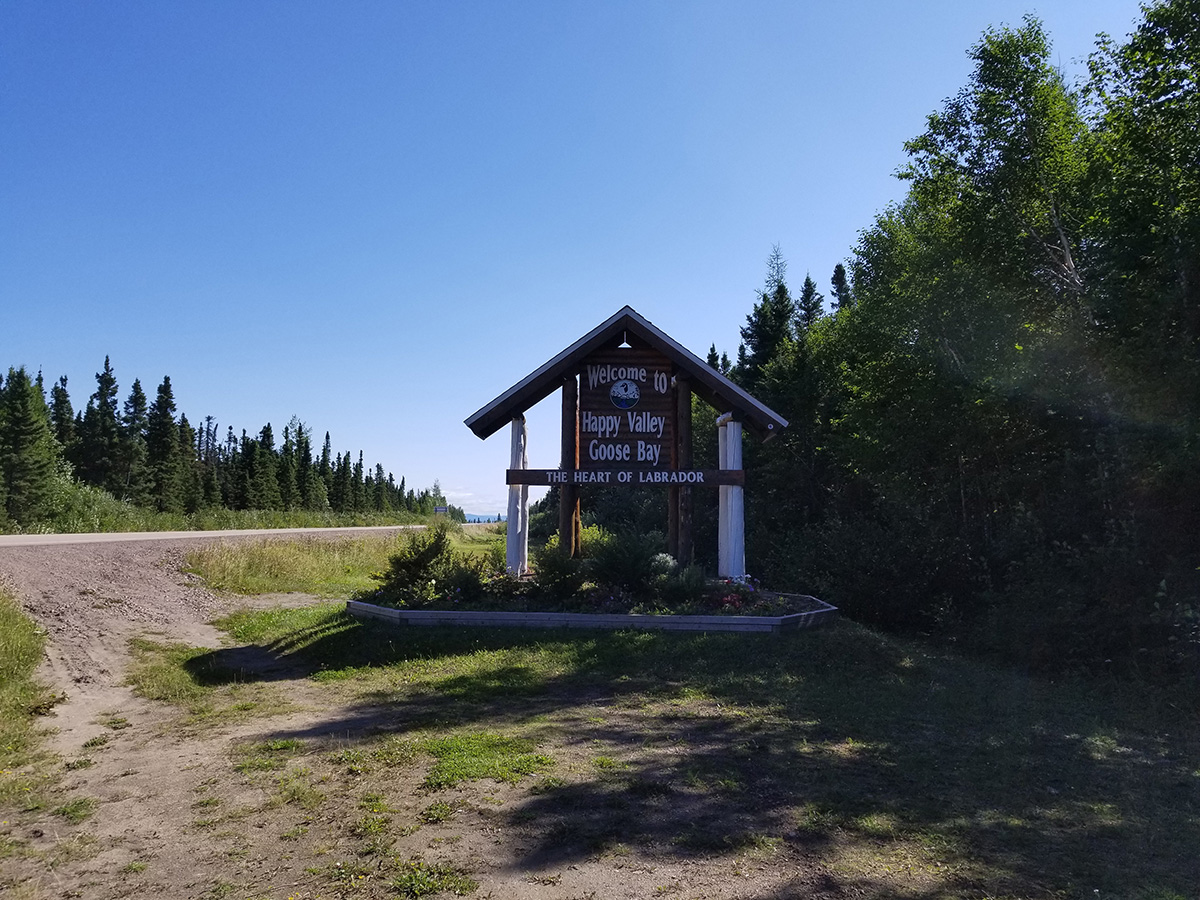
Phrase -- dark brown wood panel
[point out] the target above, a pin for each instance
(626, 406)
(628, 477)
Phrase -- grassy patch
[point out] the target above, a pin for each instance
(417, 878)
(315, 566)
(197, 679)
(436, 813)
(296, 788)
(22, 775)
(899, 762)
(266, 756)
(76, 810)
(468, 757)
(371, 825)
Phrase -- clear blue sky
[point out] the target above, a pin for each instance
(379, 215)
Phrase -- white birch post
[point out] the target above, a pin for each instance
(731, 526)
(517, 551)
(737, 520)
(722, 501)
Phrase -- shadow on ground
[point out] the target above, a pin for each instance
(814, 748)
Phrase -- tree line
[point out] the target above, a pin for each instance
(995, 429)
(143, 453)
(995, 415)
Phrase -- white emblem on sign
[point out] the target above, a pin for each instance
(624, 394)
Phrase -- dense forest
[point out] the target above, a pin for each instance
(995, 414)
(54, 460)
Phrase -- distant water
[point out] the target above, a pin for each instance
(472, 517)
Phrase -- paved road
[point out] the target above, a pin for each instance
(38, 540)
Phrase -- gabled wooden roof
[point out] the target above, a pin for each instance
(626, 326)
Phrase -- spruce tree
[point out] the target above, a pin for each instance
(343, 487)
(713, 360)
(325, 467)
(808, 307)
(162, 451)
(244, 482)
(99, 448)
(358, 486)
(62, 418)
(266, 471)
(28, 451)
(841, 287)
(134, 465)
(379, 490)
(289, 489)
(190, 472)
(767, 327)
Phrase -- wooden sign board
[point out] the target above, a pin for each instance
(626, 410)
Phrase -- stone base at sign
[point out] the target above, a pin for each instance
(615, 622)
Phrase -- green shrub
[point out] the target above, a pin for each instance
(555, 574)
(464, 579)
(683, 585)
(427, 570)
(413, 573)
(625, 561)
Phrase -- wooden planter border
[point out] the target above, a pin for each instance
(613, 622)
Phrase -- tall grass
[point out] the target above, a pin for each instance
(327, 568)
(20, 696)
(76, 508)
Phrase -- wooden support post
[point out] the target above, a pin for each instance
(679, 497)
(673, 490)
(517, 553)
(568, 496)
(683, 418)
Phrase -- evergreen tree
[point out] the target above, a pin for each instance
(266, 471)
(808, 307)
(767, 327)
(233, 493)
(28, 451)
(379, 494)
(99, 448)
(289, 489)
(341, 497)
(137, 484)
(776, 271)
(244, 483)
(325, 466)
(191, 476)
(62, 418)
(358, 486)
(841, 287)
(713, 360)
(163, 452)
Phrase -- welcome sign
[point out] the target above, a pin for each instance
(626, 408)
(627, 390)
